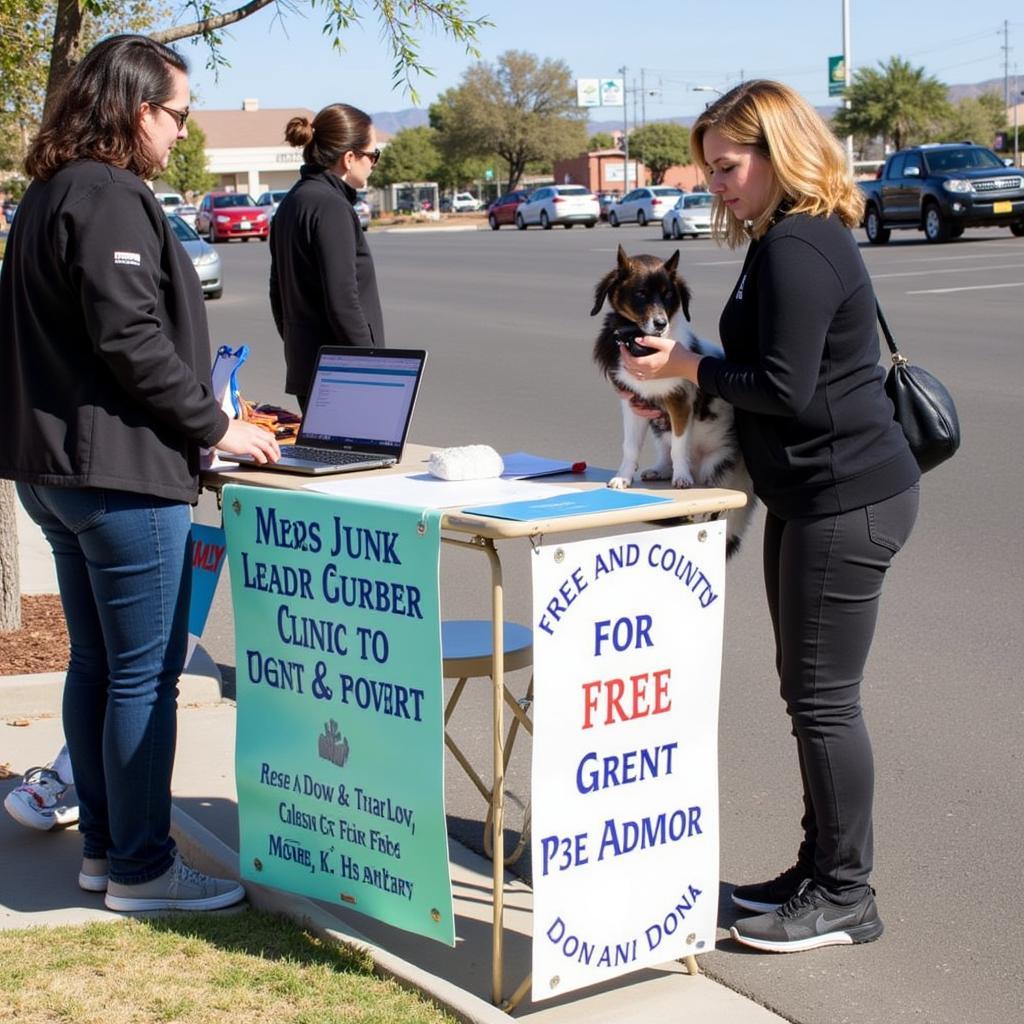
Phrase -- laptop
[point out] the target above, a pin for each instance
(358, 413)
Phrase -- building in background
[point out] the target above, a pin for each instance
(246, 149)
(604, 170)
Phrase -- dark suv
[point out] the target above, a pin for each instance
(941, 189)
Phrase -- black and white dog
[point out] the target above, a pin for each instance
(695, 432)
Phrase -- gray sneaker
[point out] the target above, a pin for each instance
(178, 888)
(93, 875)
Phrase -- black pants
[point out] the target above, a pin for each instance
(823, 577)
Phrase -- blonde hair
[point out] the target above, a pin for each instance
(809, 165)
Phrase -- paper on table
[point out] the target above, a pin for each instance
(421, 490)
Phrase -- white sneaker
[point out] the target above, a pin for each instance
(180, 887)
(38, 801)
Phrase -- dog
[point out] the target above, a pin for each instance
(695, 431)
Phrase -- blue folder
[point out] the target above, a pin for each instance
(602, 499)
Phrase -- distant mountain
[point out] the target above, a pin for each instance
(393, 122)
(414, 117)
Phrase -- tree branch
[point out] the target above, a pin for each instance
(171, 35)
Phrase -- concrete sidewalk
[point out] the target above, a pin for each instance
(206, 828)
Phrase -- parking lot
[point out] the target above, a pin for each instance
(505, 317)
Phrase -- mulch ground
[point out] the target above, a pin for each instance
(41, 645)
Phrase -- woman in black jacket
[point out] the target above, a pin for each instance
(323, 288)
(834, 470)
(105, 382)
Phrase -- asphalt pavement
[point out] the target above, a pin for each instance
(505, 317)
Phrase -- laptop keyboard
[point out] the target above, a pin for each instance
(328, 457)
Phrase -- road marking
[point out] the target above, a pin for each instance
(941, 259)
(966, 288)
(949, 270)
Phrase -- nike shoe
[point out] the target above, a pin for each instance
(809, 920)
(764, 896)
(39, 801)
(93, 875)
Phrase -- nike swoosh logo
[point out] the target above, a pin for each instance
(822, 924)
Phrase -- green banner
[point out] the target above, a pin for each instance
(836, 75)
(340, 742)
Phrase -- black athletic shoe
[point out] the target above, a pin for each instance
(765, 896)
(809, 920)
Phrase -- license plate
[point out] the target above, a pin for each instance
(1002, 207)
(244, 225)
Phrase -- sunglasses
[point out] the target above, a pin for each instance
(373, 156)
(181, 116)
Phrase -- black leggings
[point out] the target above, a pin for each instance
(823, 577)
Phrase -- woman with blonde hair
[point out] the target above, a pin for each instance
(839, 483)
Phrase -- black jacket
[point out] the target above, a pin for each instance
(801, 368)
(323, 288)
(104, 349)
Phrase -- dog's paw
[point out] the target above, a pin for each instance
(681, 483)
(656, 473)
(620, 483)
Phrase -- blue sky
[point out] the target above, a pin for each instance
(288, 62)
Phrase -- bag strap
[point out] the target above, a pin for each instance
(897, 358)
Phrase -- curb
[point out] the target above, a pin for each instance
(204, 850)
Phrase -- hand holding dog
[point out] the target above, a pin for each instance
(670, 359)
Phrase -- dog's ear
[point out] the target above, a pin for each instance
(602, 289)
(624, 264)
(671, 263)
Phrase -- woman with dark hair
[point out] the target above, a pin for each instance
(105, 382)
(838, 480)
(323, 288)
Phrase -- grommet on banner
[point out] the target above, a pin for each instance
(702, 536)
(559, 555)
(435, 915)
(236, 507)
(421, 528)
(257, 863)
(555, 981)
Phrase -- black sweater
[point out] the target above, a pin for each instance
(323, 288)
(801, 367)
(104, 349)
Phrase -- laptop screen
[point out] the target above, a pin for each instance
(362, 399)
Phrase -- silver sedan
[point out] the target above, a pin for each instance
(204, 258)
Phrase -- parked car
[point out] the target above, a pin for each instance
(461, 202)
(503, 209)
(559, 204)
(690, 216)
(204, 257)
(649, 203)
(226, 215)
(187, 213)
(941, 189)
(362, 208)
(10, 209)
(170, 201)
(269, 200)
(606, 200)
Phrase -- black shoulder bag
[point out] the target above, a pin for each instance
(923, 407)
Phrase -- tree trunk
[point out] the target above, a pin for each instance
(10, 574)
(67, 41)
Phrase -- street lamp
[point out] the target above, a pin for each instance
(707, 88)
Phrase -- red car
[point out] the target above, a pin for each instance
(503, 209)
(224, 215)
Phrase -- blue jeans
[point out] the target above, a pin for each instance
(124, 572)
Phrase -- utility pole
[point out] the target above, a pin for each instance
(643, 100)
(848, 69)
(625, 133)
(1006, 63)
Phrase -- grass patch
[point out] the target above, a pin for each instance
(195, 969)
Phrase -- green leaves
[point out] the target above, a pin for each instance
(660, 145)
